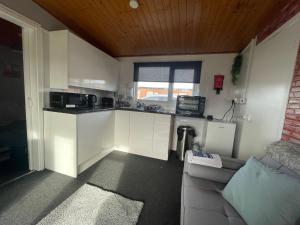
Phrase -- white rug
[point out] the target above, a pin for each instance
(91, 205)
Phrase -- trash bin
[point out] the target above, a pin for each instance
(185, 137)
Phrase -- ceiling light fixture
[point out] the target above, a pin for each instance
(134, 4)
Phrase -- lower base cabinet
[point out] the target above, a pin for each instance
(141, 133)
(75, 142)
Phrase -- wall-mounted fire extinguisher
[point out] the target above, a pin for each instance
(218, 83)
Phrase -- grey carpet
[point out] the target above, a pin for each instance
(92, 205)
(157, 183)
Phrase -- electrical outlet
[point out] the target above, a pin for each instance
(247, 117)
(240, 100)
(243, 100)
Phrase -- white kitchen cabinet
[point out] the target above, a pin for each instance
(60, 137)
(122, 126)
(75, 142)
(220, 138)
(75, 62)
(161, 136)
(141, 133)
(58, 59)
(95, 132)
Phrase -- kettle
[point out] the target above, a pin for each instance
(92, 99)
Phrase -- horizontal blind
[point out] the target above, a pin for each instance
(153, 74)
(172, 72)
(184, 75)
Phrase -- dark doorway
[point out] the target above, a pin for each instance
(13, 134)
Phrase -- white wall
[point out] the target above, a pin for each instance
(240, 92)
(211, 64)
(269, 83)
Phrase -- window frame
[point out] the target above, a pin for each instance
(196, 65)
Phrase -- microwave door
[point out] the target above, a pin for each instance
(189, 101)
(188, 107)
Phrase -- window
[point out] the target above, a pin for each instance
(164, 81)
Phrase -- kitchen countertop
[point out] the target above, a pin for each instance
(78, 111)
(99, 109)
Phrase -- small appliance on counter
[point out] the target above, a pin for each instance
(190, 105)
(92, 100)
(107, 102)
(71, 100)
(152, 108)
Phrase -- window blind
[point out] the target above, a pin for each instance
(172, 72)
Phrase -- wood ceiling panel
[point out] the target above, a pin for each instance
(161, 27)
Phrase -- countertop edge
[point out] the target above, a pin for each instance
(84, 111)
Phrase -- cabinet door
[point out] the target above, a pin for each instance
(90, 67)
(122, 127)
(58, 59)
(141, 133)
(95, 134)
(161, 136)
(60, 143)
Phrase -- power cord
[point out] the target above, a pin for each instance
(232, 111)
(232, 105)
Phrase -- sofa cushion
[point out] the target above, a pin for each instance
(221, 175)
(202, 203)
(263, 196)
(210, 173)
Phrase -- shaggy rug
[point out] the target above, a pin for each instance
(91, 205)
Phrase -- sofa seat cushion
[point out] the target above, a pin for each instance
(203, 203)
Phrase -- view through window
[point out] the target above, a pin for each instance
(159, 91)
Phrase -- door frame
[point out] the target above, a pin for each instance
(33, 62)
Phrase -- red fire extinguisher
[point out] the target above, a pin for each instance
(218, 83)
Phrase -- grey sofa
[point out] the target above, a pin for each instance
(201, 200)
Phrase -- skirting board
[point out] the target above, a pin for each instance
(127, 150)
(82, 167)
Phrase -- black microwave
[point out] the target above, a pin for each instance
(71, 100)
(190, 105)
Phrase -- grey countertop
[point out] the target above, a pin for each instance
(99, 109)
(77, 111)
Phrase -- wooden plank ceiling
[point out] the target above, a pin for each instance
(163, 27)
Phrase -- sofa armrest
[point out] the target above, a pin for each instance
(231, 163)
(221, 175)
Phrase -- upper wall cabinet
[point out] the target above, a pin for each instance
(74, 62)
